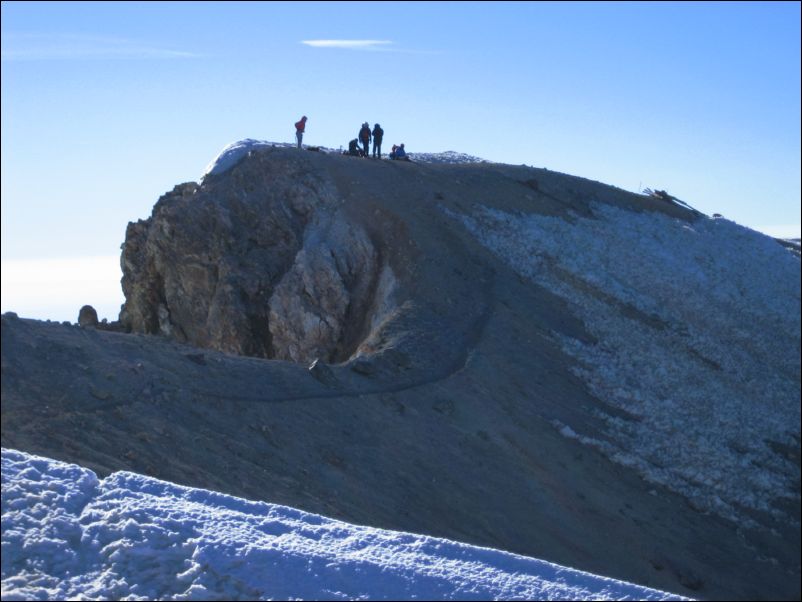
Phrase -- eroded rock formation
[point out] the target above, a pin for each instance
(257, 261)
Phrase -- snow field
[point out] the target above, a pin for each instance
(69, 535)
(699, 343)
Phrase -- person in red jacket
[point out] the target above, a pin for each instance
(300, 126)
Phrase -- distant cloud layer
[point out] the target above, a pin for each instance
(59, 46)
(56, 288)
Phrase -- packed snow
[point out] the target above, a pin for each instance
(698, 329)
(450, 157)
(69, 535)
(234, 152)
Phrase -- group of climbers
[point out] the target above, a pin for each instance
(364, 138)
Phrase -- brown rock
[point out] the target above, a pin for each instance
(258, 261)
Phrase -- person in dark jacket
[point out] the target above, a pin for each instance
(353, 149)
(364, 137)
(378, 134)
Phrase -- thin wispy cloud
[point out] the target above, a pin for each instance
(350, 44)
(364, 45)
(39, 46)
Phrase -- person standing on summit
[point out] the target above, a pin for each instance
(378, 134)
(364, 137)
(300, 126)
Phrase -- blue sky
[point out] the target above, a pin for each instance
(106, 106)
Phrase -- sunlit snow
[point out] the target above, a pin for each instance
(698, 326)
(69, 535)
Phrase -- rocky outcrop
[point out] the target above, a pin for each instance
(87, 317)
(327, 288)
(256, 261)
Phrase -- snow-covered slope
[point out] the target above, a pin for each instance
(697, 330)
(68, 534)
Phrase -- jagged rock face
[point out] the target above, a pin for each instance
(332, 274)
(258, 261)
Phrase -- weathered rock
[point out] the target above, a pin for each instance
(257, 261)
(331, 276)
(364, 366)
(87, 317)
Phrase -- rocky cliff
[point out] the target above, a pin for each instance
(491, 353)
(260, 262)
(280, 258)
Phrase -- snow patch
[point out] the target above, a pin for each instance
(67, 535)
(233, 153)
(450, 157)
(698, 326)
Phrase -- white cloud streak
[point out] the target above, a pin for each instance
(38, 47)
(350, 44)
